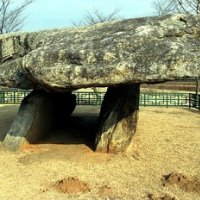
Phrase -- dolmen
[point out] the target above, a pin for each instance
(119, 55)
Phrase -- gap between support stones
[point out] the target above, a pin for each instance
(39, 111)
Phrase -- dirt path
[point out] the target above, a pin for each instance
(163, 162)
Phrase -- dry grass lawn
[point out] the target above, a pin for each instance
(163, 163)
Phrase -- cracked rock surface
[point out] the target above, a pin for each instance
(142, 50)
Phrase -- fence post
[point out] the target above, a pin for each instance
(3, 96)
(189, 100)
(167, 101)
(178, 100)
(144, 99)
(14, 96)
(89, 98)
(197, 85)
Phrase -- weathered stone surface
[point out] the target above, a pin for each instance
(33, 119)
(39, 112)
(118, 119)
(130, 51)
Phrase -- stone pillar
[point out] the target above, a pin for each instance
(118, 119)
(36, 116)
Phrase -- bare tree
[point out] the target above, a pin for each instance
(97, 16)
(164, 7)
(11, 18)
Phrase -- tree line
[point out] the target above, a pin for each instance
(12, 19)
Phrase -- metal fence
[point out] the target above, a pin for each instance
(194, 101)
(146, 99)
(12, 97)
(164, 99)
(91, 98)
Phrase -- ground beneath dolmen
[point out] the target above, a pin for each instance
(164, 162)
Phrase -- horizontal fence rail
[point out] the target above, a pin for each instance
(96, 98)
(194, 101)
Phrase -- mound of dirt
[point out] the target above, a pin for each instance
(71, 185)
(183, 182)
(105, 190)
(165, 197)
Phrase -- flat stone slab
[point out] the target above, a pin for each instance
(143, 50)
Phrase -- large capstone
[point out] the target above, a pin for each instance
(151, 49)
(118, 54)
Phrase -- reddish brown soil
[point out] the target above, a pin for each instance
(183, 182)
(165, 197)
(105, 190)
(71, 185)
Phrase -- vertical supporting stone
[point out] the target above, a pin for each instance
(33, 119)
(118, 119)
(38, 113)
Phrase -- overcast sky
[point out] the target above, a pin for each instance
(46, 14)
